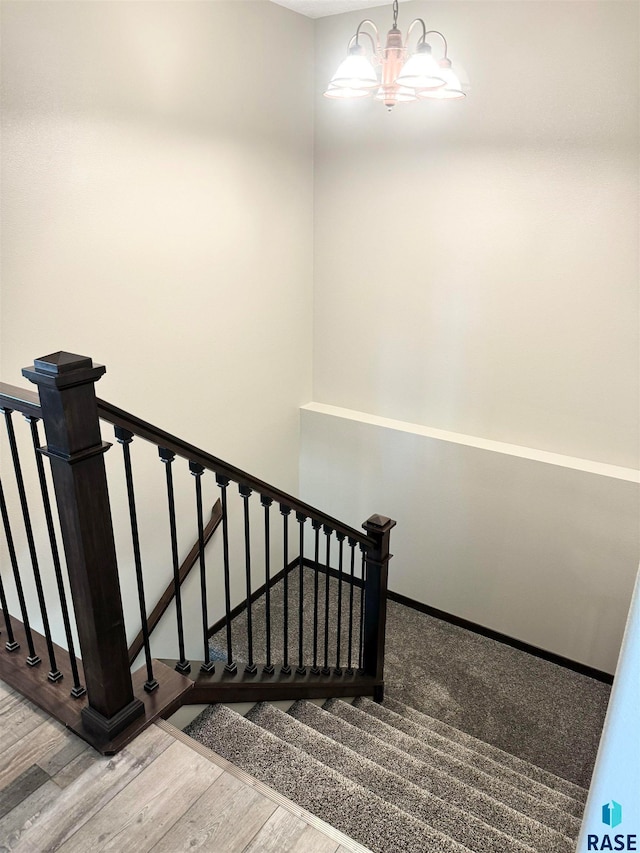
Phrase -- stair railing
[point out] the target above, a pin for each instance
(137, 645)
(26, 403)
(114, 702)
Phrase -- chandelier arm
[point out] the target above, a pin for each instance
(359, 32)
(438, 33)
(354, 38)
(422, 38)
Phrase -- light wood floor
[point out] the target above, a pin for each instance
(162, 793)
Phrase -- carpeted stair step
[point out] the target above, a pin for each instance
(349, 807)
(447, 818)
(519, 800)
(430, 777)
(467, 754)
(525, 768)
(491, 781)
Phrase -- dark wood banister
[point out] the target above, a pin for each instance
(27, 402)
(168, 595)
(116, 707)
(157, 436)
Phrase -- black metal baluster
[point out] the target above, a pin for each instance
(268, 668)
(315, 669)
(245, 491)
(352, 545)
(124, 438)
(208, 665)
(54, 673)
(12, 645)
(301, 668)
(327, 532)
(340, 537)
(361, 641)
(286, 512)
(167, 457)
(33, 658)
(78, 689)
(223, 482)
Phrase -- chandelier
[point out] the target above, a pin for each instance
(402, 77)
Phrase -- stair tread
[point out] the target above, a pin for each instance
(321, 790)
(434, 776)
(565, 824)
(453, 821)
(487, 762)
(546, 777)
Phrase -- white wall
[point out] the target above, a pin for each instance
(156, 204)
(157, 216)
(542, 549)
(477, 260)
(476, 271)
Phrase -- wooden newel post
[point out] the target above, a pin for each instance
(375, 598)
(66, 383)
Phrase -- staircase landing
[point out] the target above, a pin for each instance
(161, 793)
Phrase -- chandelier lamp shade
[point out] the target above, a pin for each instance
(392, 74)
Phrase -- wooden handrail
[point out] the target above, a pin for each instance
(168, 595)
(159, 437)
(26, 402)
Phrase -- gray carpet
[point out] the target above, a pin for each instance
(390, 791)
(542, 713)
(477, 746)
(350, 807)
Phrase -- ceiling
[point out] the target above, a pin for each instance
(322, 8)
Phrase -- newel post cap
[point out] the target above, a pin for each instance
(63, 369)
(378, 524)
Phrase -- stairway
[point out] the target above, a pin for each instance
(397, 780)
